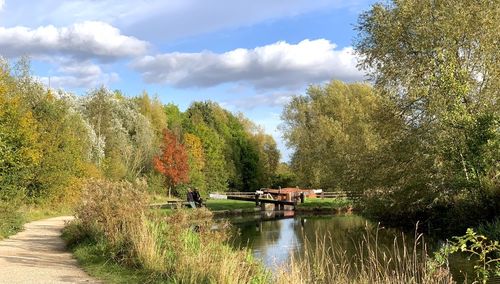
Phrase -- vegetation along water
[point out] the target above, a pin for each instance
(418, 143)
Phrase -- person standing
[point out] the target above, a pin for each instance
(190, 198)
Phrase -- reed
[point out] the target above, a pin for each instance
(179, 248)
(371, 263)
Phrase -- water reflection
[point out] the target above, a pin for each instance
(275, 236)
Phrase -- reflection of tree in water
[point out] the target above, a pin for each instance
(274, 241)
(340, 231)
(258, 235)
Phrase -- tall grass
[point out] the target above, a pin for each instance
(371, 263)
(180, 248)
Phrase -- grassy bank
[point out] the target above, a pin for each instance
(116, 227)
(11, 222)
(116, 238)
(226, 204)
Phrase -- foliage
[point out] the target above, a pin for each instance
(485, 253)
(235, 152)
(19, 155)
(196, 161)
(490, 229)
(173, 160)
(443, 80)
(423, 143)
(335, 130)
(283, 177)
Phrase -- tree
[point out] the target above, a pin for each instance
(172, 161)
(125, 140)
(440, 71)
(335, 130)
(196, 160)
(20, 154)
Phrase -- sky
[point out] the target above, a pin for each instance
(248, 56)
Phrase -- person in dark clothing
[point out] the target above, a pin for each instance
(190, 198)
(197, 198)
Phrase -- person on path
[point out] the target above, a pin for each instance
(190, 198)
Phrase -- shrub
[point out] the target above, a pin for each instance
(484, 252)
(184, 247)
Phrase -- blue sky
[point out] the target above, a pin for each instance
(249, 56)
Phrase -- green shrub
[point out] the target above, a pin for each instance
(485, 253)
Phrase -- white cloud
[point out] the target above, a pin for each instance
(173, 19)
(2, 3)
(267, 100)
(78, 74)
(89, 39)
(278, 65)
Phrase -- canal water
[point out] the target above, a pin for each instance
(274, 236)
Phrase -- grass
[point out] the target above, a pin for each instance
(12, 221)
(372, 263)
(95, 263)
(225, 204)
(325, 203)
(115, 227)
(42, 212)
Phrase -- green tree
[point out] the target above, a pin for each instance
(335, 130)
(19, 151)
(441, 73)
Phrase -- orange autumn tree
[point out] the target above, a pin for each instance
(172, 161)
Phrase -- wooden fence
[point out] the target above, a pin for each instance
(327, 194)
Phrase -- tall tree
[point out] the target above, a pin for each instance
(335, 130)
(172, 161)
(437, 61)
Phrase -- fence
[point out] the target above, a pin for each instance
(331, 194)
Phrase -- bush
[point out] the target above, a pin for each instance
(182, 247)
(484, 253)
(490, 230)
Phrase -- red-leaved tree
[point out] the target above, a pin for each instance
(172, 161)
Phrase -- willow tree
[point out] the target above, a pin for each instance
(336, 130)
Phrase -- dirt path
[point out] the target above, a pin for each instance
(38, 255)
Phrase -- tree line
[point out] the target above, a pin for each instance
(421, 141)
(52, 141)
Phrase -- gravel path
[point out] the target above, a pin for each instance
(38, 255)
